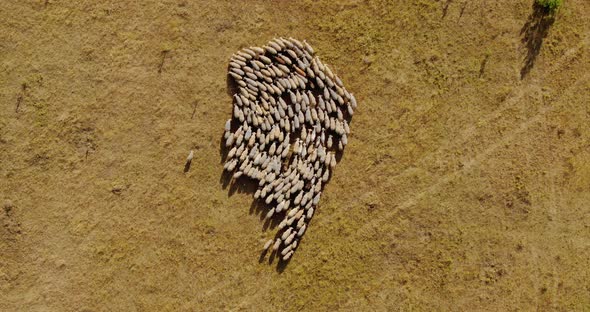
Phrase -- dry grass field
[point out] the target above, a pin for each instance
(465, 185)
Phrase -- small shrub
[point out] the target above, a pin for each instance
(550, 5)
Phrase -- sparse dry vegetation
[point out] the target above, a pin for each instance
(464, 185)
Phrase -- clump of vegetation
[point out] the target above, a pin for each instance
(550, 5)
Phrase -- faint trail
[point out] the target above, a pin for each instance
(464, 135)
(471, 130)
(472, 163)
(476, 160)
